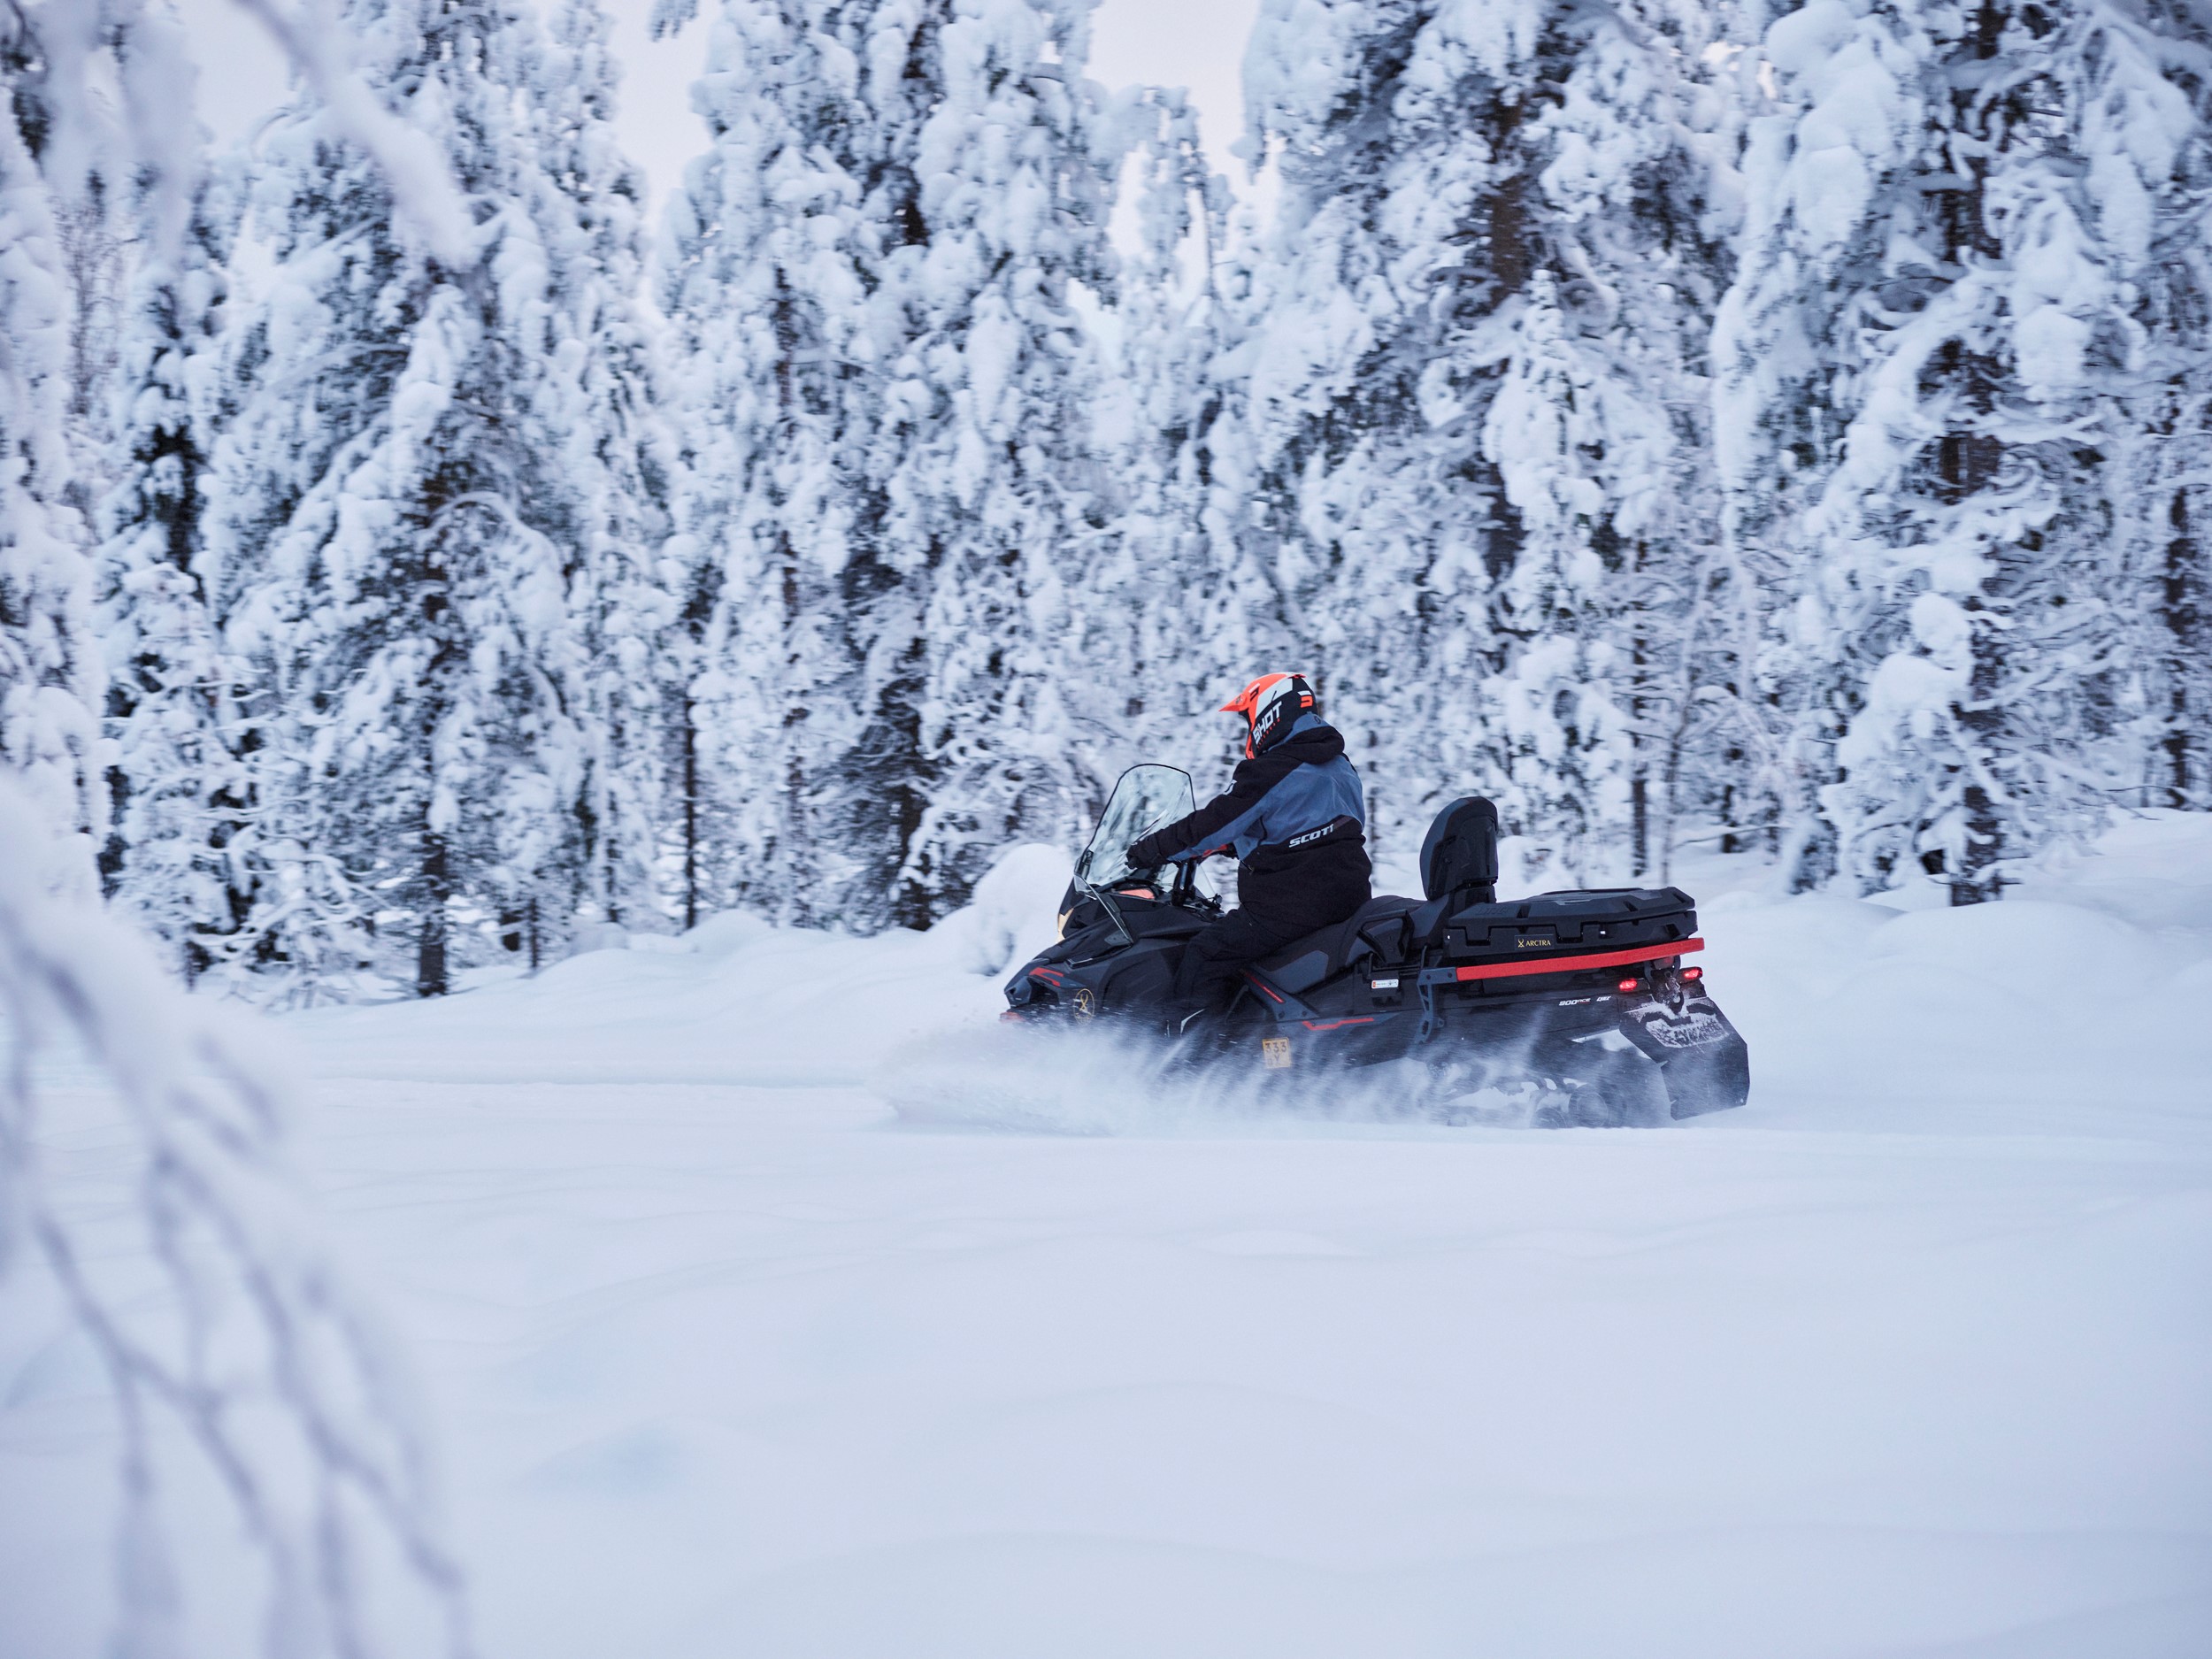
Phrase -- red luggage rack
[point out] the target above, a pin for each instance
(1430, 978)
(1579, 962)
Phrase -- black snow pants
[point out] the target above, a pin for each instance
(1214, 962)
(1288, 898)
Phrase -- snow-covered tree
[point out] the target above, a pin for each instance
(1163, 607)
(182, 857)
(2165, 475)
(889, 446)
(762, 526)
(428, 514)
(2163, 461)
(591, 410)
(1955, 279)
(50, 662)
(1477, 397)
(203, 852)
(97, 251)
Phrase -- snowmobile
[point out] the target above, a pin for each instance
(1585, 996)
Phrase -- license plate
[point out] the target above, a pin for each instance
(1275, 1053)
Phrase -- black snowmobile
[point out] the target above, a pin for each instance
(1583, 996)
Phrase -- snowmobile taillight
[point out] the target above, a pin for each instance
(1628, 984)
(1693, 974)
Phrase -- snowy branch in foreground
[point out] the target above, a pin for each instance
(223, 1328)
(420, 183)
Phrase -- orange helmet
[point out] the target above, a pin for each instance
(1271, 706)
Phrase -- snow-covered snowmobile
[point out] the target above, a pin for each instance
(1583, 996)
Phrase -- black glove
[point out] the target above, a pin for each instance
(1146, 852)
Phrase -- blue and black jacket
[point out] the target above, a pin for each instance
(1295, 817)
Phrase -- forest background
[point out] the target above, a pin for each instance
(1675, 421)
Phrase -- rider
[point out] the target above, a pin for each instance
(1294, 814)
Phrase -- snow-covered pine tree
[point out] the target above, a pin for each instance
(202, 853)
(757, 295)
(49, 658)
(1191, 376)
(2166, 491)
(422, 499)
(95, 225)
(184, 859)
(2164, 469)
(891, 472)
(1162, 608)
(590, 407)
(1477, 394)
(1931, 365)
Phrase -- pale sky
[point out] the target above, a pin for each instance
(1193, 43)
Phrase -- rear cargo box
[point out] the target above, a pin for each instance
(1566, 924)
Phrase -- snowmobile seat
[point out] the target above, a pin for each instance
(1459, 857)
(1378, 928)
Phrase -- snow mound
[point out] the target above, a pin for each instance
(1014, 912)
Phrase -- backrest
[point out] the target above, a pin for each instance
(1459, 860)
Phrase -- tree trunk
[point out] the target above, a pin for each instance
(2184, 622)
(1967, 461)
(1977, 879)
(691, 813)
(1640, 820)
(1639, 706)
(437, 888)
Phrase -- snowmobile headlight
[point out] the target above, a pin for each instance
(1062, 931)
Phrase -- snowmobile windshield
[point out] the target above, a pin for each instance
(1145, 798)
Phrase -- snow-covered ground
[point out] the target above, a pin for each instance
(1912, 1356)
